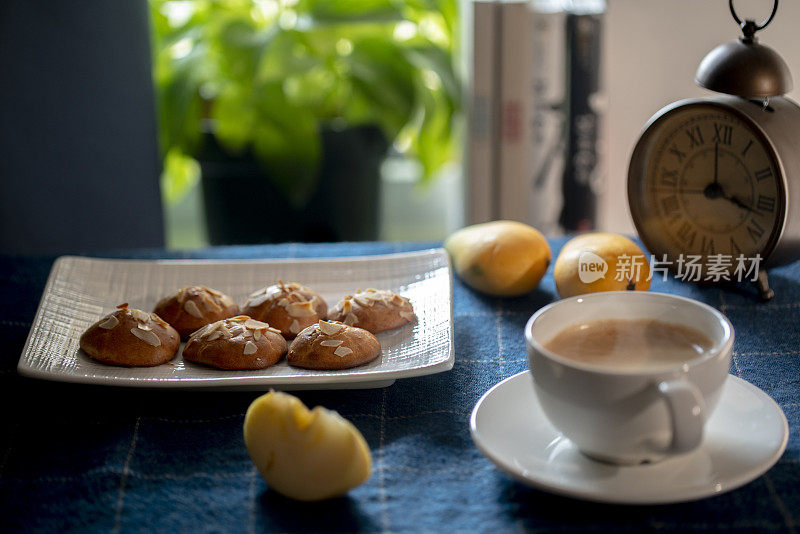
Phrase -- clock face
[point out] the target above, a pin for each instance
(703, 181)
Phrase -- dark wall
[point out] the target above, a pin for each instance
(79, 161)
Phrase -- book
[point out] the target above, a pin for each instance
(483, 155)
(515, 110)
(533, 147)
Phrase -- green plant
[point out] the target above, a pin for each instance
(270, 74)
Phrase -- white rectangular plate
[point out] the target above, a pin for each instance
(81, 290)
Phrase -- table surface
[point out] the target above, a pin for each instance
(76, 457)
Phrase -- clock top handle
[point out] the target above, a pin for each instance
(749, 27)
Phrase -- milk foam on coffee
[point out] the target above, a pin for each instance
(629, 344)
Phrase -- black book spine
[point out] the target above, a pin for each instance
(579, 182)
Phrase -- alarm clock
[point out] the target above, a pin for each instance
(719, 177)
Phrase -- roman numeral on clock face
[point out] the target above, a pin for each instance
(765, 203)
(670, 205)
(686, 233)
(695, 137)
(763, 174)
(680, 155)
(723, 133)
(669, 178)
(755, 230)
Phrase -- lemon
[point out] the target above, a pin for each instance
(600, 261)
(304, 454)
(501, 258)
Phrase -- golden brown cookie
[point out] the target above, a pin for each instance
(289, 307)
(236, 343)
(374, 310)
(333, 345)
(131, 338)
(193, 307)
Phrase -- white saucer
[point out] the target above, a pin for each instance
(744, 438)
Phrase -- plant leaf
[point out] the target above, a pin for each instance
(180, 174)
(384, 79)
(234, 115)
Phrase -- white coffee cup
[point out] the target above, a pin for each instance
(628, 416)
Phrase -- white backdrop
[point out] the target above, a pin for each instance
(652, 50)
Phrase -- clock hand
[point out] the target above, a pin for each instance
(714, 190)
(739, 203)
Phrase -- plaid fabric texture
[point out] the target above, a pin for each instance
(92, 458)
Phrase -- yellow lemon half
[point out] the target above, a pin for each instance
(304, 454)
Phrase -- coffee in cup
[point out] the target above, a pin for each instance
(629, 344)
(641, 400)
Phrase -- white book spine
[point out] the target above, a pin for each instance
(483, 156)
(515, 110)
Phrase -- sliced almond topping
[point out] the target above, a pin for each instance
(257, 300)
(331, 342)
(212, 291)
(343, 351)
(210, 303)
(275, 290)
(350, 320)
(191, 308)
(181, 295)
(225, 332)
(109, 323)
(144, 327)
(300, 309)
(139, 315)
(284, 302)
(250, 348)
(294, 328)
(203, 331)
(396, 299)
(346, 306)
(226, 300)
(216, 334)
(329, 329)
(361, 300)
(148, 336)
(273, 330)
(407, 315)
(252, 324)
(236, 330)
(256, 334)
(258, 292)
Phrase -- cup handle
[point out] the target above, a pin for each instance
(687, 414)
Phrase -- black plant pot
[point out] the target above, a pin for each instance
(243, 206)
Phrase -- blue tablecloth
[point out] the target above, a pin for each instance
(76, 457)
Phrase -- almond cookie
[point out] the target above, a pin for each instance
(333, 345)
(131, 338)
(374, 310)
(236, 343)
(193, 307)
(289, 307)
